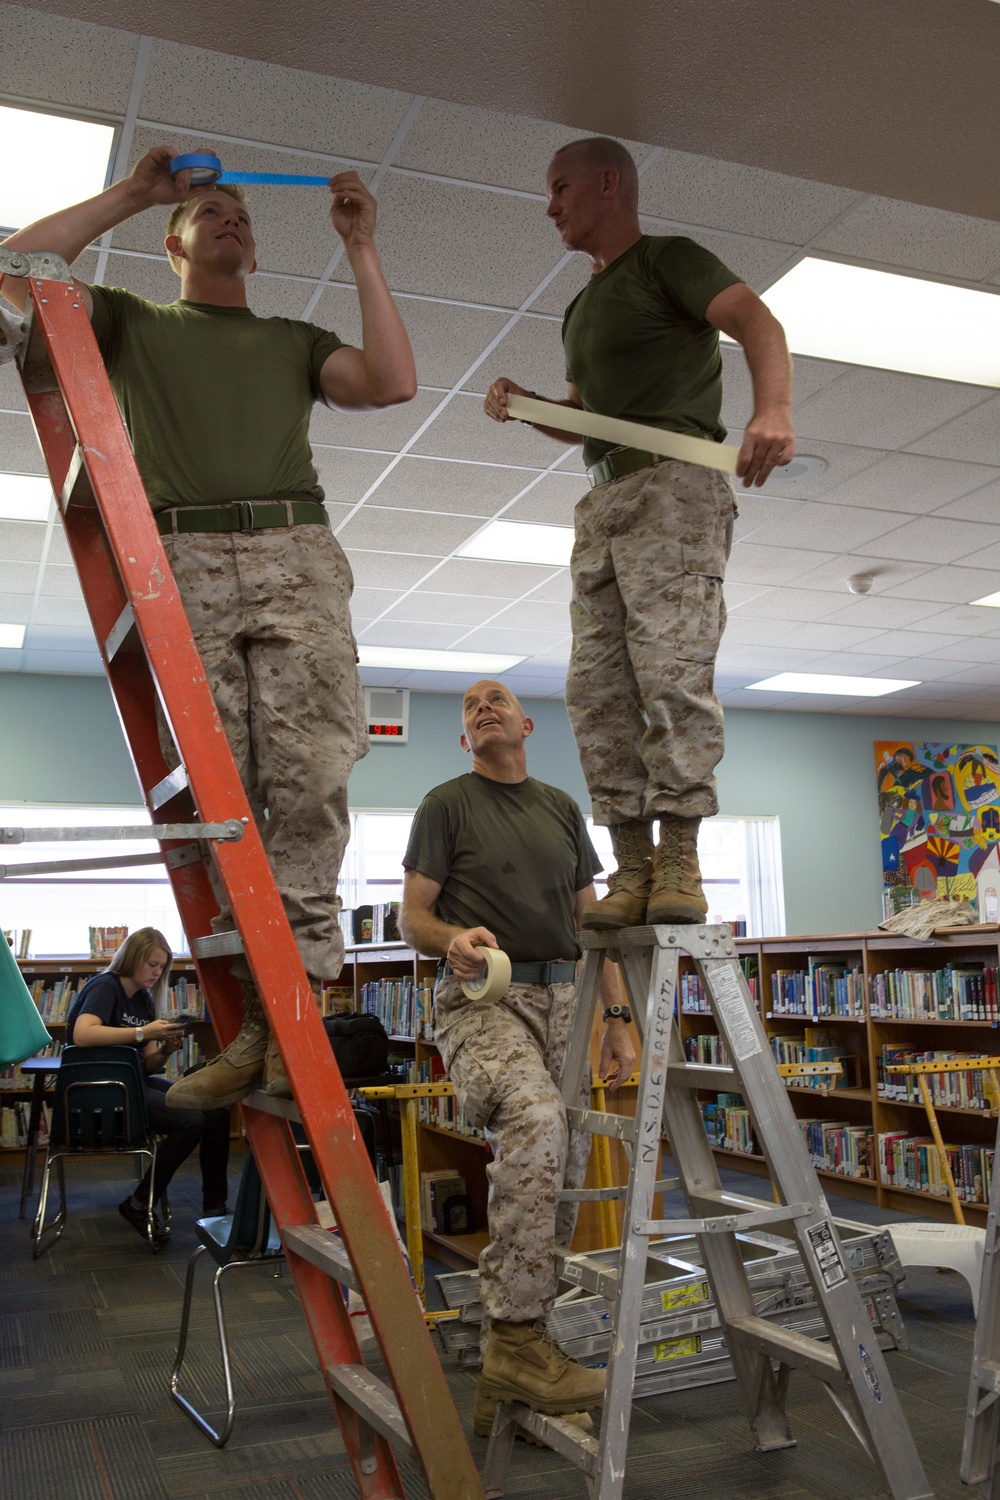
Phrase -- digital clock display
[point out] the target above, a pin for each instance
(396, 729)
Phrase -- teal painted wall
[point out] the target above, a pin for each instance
(60, 742)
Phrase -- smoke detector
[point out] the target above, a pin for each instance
(802, 466)
(861, 583)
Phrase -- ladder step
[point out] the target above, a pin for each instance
(597, 1277)
(217, 944)
(272, 1104)
(788, 1347)
(560, 1435)
(619, 1127)
(166, 790)
(122, 627)
(372, 1399)
(738, 1223)
(323, 1249)
(989, 1377)
(77, 489)
(694, 1076)
(592, 1195)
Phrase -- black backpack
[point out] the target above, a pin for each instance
(359, 1044)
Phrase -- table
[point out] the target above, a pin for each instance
(39, 1067)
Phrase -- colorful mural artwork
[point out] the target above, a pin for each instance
(939, 807)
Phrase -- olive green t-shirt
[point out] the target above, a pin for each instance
(508, 856)
(637, 345)
(216, 400)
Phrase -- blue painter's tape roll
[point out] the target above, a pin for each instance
(204, 167)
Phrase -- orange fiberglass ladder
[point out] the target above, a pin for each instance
(149, 652)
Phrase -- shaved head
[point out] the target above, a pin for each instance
(487, 684)
(601, 153)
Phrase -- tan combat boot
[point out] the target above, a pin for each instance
(237, 1070)
(677, 895)
(275, 1078)
(486, 1410)
(629, 885)
(522, 1363)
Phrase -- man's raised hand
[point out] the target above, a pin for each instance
(150, 182)
(495, 405)
(353, 210)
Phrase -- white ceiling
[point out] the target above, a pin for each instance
(912, 485)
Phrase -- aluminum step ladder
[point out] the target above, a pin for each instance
(981, 1445)
(850, 1366)
(203, 812)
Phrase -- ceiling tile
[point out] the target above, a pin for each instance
(442, 485)
(464, 431)
(483, 145)
(857, 663)
(407, 633)
(812, 375)
(529, 614)
(11, 391)
(338, 515)
(719, 194)
(931, 540)
(922, 239)
(987, 674)
(755, 261)
(551, 501)
(387, 430)
(805, 634)
(345, 475)
(260, 101)
(843, 462)
(146, 276)
(561, 290)
(446, 609)
(981, 505)
(983, 557)
(60, 583)
(456, 242)
(72, 663)
(828, 526)
(909, 643)
(833, 575)
(520, 642)
(975, 436)
(970, 648)
(882, 409)
(762, 661)
(387, 570)
(789, 604)
(495, 580)
(738, 595)
(911, 483)
(558, 587)
(22, 541)
(63, 612)
(64, 61)
(755, 510)
(884, 614)
(272, 296)
(367, 603)
(59, 547)
(532, 356)
(971, 622)
(407, 531)
(751, 564)
(17, 583)
(950, 585)
(19, 446)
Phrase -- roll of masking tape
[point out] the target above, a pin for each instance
(494, 982)
(689, 450)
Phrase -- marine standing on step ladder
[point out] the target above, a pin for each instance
(496, 858)
(217, 403)
(653, 535)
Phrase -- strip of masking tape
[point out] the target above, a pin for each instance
(494, 982)
(206, 169)
(689, 450)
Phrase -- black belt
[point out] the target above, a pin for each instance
(553, 971)
(241, 515)
(620, 462)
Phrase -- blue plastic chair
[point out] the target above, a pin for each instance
(99, 1109)
(246, 1237)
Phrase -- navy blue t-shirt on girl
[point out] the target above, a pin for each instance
(103, 997)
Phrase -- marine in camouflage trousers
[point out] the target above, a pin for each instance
(648, 614)
(504, 1059)
(270, 614)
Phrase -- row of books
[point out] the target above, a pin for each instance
(184, 998)
(692, 991)
(14, 1126)
(956, 992)
(436, 1188)
(912, 1162)
(403, 1007)
(12, 1078)
(706, 1049)
(105, 941)
(188, 1056)
(443, 1112)
(378, 923)
(728, 1125)
(965, 1090)
(823, 989)
(838, 1146)
(816, 1044)
(54, 999)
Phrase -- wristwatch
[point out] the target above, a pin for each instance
(138, 1035)
(618, 1013)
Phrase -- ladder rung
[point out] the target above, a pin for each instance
(166, 790)
(702, 1076)
(119, 630)
(77, 489)
(273, 1104)
(790, 1348)
(372, 1399)
(324, 1249)
(619, 1127)
(592, 1195)
(781, 1213)
(597, 1277)
(988, 1377)
(217, 944)
(561, 1436)
(714, 941)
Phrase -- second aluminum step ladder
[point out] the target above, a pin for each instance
(981, 1446)
(151, 660)
(850, 1366)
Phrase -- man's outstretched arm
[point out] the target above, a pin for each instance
(380, 373)
(69, 231)
(423, 930)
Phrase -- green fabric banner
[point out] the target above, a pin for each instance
(22, 1033)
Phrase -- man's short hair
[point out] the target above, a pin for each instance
(603, 151)
(180, 210)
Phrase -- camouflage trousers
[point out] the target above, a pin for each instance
(270, 614)
(647, 611)
(504, 1059)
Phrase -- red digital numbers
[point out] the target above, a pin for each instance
(385, 729)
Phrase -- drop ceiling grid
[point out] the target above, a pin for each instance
(474, 177)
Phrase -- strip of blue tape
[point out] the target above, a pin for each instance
(206, 169)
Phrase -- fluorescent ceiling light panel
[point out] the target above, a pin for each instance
(12, 637)
(992, 601)
(412, 660)
(523, 542)
(818, 682)
(860, 317)
(24, 497)
(49, 161)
